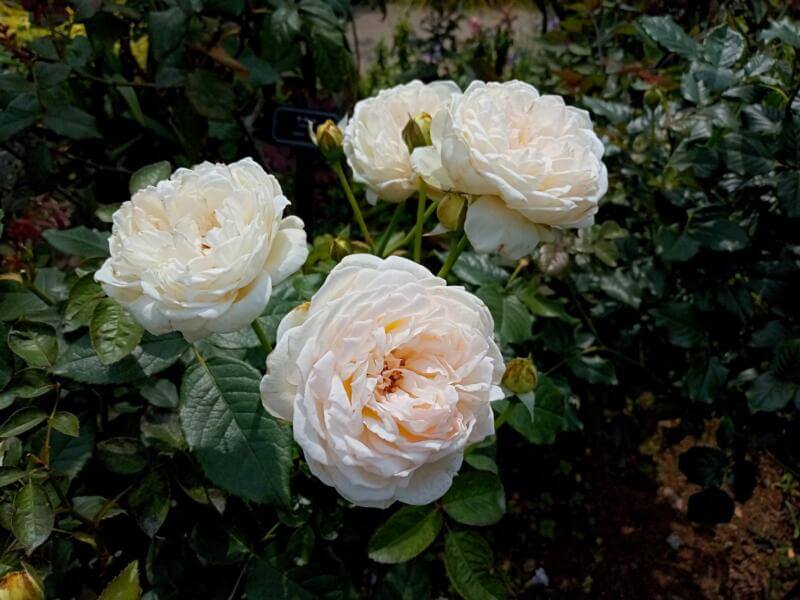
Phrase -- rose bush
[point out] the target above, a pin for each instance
(200, 252)
(386, 376)
(136, 464)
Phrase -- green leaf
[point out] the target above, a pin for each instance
(28, 383)
(53, 282)
(720, 235)
(35, 343)
(33, 518)
(594, 369)
(622, 287)
(784, 30)
(211, 95)
(469, 563)
(682, 323)
(540, 416)
(6, 358)
(151, 356)
(746, 154)
(150, 501)
(672, 246)
(9, 475)
(167, 29)
(122, 455)
(669, 34)
(406, 581)
(615, 112)
(83, 297)
(405, 534)
(66, 423)
(19, 114)
(149, 175)
(90, 507)
(512, 321)
(114, 331)
(770, 394)
(723, 46)
(265, 580)
(478, 269)
(161, 392)
(22, 421)
(225, 424)
(476, 498)
(541, 306)
(80, 241)
(50, 74)
(16, 301)
(703, 384)
(128, 94)
(787, 186)
(124, 586)
(71, 122)
(68, 455)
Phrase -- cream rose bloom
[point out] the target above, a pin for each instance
(373, 141)
(386, 376)
(199, 253)
(531, 161)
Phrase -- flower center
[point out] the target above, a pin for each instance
(391, 375)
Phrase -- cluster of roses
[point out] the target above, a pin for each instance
(387, 374)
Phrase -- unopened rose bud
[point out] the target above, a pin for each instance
(19, 585)
(452, 211)
(520, 376)
(417, 132)
(328, 138)
(340, 248)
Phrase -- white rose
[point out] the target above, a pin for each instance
(386, 376)
(199, 253)
(530, 160)
(373, 141)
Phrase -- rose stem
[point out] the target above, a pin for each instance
(390, 229)
(455, 250)
(337, 167)
(420, 221)
(396, 245)
(262, 336)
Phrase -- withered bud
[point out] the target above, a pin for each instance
(19, 585)
(417, 132)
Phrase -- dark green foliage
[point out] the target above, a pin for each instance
(680, 303)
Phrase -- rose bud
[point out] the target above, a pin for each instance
(417, 132)
(520, 376)
(452, 210)
(328, 138)
(340, 247)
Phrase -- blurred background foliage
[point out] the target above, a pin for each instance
(672, 323)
